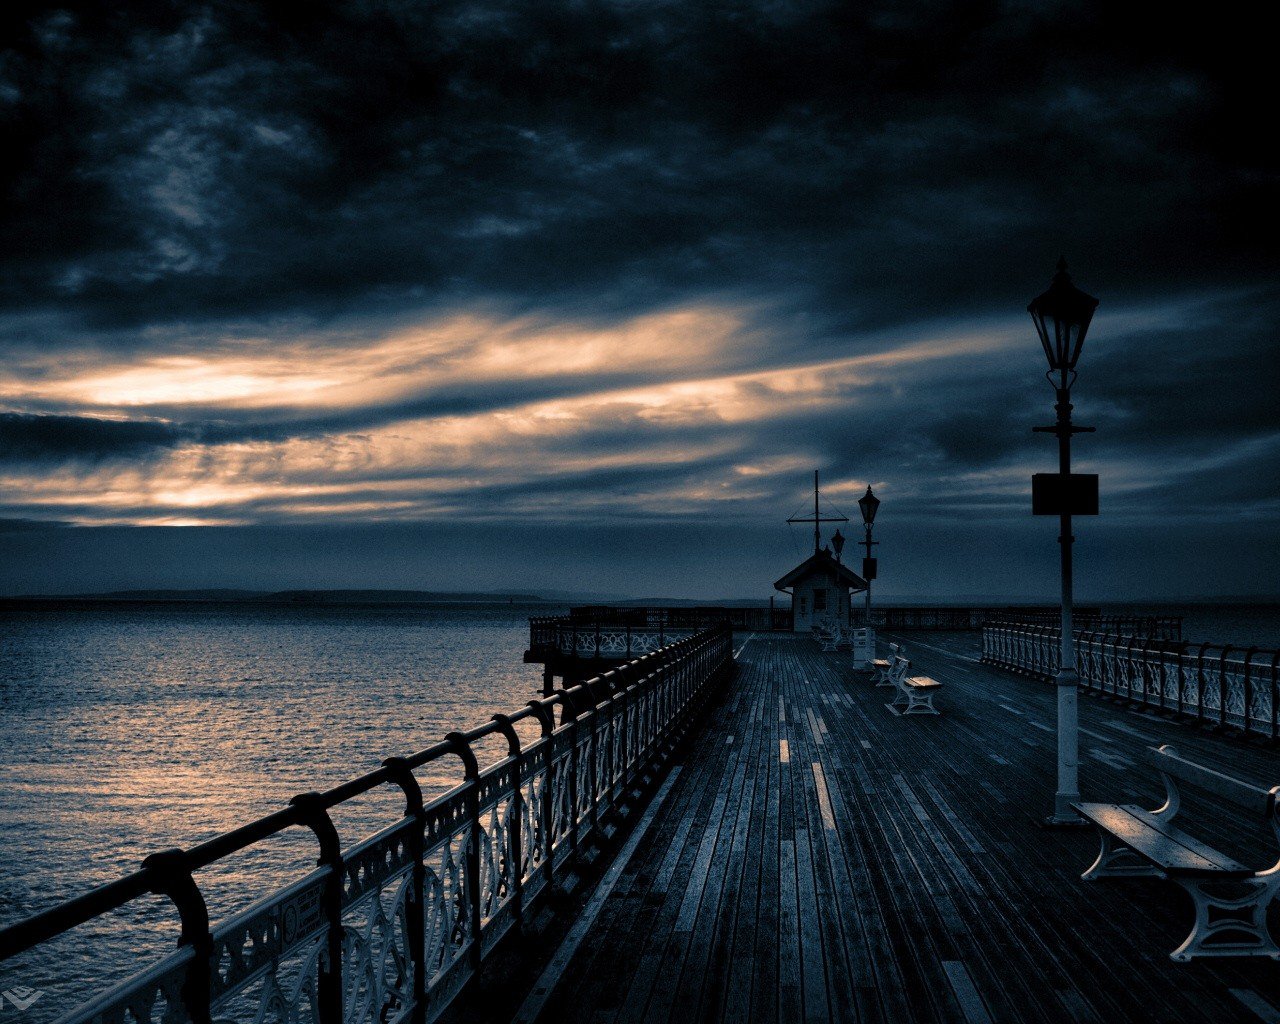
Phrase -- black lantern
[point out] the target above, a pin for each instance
(1062, 316)
(837, 542)
(868, 503)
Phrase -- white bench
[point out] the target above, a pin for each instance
(1146, 844)
(882, 666)
(830, 641)
(915, 693)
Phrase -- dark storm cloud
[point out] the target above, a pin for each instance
(177, 161)
(199, 199)
(52, 439)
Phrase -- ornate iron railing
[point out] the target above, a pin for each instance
(390, 929)
(1219, 684)
(574, 638)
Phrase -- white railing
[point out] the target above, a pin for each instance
(1224, 685)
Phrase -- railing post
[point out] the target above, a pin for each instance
(1222, 688)
(548, 809)
(415, 934)
(173, 879)
(1274, 694)
(1179, 660)
(516, 812)
(329, 992)
(1248, 688)
(569, 716)
(1200, 683)
(471, 856)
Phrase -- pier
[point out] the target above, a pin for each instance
(735, 827)
(819, 857)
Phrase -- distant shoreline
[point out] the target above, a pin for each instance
(306, 598)
(372, 597)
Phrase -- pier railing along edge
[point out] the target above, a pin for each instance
(390, 929)
(1222, 685)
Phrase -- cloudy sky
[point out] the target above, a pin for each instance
(577, 295)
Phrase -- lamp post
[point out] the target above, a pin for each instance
(1061, 316)
(868, 503)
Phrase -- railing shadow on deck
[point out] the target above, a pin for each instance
(391, 929)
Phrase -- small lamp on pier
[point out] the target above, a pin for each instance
(1061, 316)
(868, 504)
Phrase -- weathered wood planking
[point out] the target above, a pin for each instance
(892, 869)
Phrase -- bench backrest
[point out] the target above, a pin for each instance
(898, 670)
(1243, 794)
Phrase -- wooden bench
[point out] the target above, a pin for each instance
(1230, 899)
(914, 693)
(827, 635)
(881, 666)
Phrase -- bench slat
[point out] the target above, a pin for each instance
(923, 682)
(1160, 842)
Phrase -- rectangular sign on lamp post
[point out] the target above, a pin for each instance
(1055, 494)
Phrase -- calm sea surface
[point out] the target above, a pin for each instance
(129, 729)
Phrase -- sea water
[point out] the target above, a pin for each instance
(133, 728)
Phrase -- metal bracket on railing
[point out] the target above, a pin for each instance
(544, 717)
(568, 705)
(402, 775)
(172, 878)
(462, 747)
(315, 816)
(508, 731)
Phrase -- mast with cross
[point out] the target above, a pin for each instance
(817, 517)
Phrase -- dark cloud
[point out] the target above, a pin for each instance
(174, 160)
(28, 438)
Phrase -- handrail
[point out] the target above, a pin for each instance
(391, 928)
(1222, 685)
(577, 633)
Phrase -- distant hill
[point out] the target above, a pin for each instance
(314, 597)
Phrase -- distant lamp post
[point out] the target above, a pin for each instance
(837, 544)
(1061, 316)
(868, 503)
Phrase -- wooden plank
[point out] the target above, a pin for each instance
(1158, 842)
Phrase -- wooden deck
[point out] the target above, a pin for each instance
(820, 858)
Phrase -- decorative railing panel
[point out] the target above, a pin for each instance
(599, 631)
(1220, 684)
(391, 928)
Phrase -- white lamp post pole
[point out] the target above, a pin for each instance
(1068, 679)
(1061, 316)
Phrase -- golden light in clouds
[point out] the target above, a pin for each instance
(327, 373)
(686, 410)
